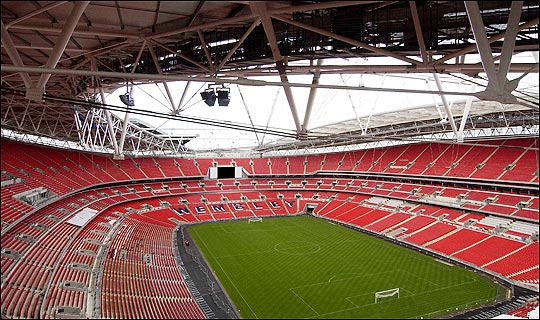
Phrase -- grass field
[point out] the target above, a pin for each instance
(303, 267)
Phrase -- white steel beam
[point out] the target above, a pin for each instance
(112, 136)
(418, 30)
(465, 116)
(311, 98)
(120, 154)
(482, 43)
(13, 54)
(203, 26)
(509, 43)
(260, 9)
(470, 68)
(33, 13)
(79, 126)
(36, 47)
(136, 63)
(126, 116)
(446, 106)
(496, 89)
(248, 114)
(84, 31)
(62, 41)
(364, 130)
(246, 82)
(101, 51)
(435, 101)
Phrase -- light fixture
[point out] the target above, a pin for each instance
(209, 96)
(126, 98)
(223, 96)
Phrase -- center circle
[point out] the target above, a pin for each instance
(297, 247)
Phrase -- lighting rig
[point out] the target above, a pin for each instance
(214, 91)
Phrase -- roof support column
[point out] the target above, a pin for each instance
(123, 136)
(509, 43)
(446, 106)
(14, 55)
(260, 9)
(63, 39)
(482, 43)
(312, 93)
(112, 135)
(498, 88)
(466, 110)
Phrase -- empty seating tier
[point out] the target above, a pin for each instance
(39, 239)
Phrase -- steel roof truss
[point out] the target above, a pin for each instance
(312, 93)
(63, 40)
(13, 54)
(447, 108)
(418, 30)
(158, 68)
(238, 43)
(260, 9)
(509, 43)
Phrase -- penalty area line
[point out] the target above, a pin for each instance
(304, 301)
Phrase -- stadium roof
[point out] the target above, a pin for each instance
(304, 76)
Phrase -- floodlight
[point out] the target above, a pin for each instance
(127, 99)
(209, 96)
(223, 96)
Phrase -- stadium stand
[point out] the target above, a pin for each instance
(488, 250)
(30, 240)
(520, 260)
(430, 233)
(389, 221)
(457, 241)
(411, 225)
(142, 266)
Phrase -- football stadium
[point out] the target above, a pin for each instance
(270, 160)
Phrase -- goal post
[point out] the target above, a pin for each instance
(258, 219)
(386, 294)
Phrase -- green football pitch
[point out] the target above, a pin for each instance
(304, 267)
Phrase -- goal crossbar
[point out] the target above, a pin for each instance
(386, 294)
(258, 219)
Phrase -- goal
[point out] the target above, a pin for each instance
(386, 294)
(254, 220)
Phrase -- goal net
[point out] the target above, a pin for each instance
(386, 294)
(254, 220)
